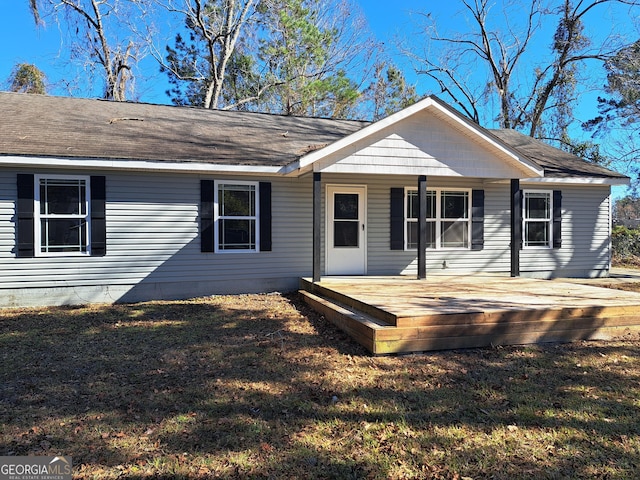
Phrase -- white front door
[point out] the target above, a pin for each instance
(346, 230)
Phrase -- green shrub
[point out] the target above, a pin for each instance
(626, 245)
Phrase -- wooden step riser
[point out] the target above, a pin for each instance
(348, 301)
(523, 338)
(350, 323)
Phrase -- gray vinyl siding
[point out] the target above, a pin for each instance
(153, 244)
(153, 247)
(586, 234)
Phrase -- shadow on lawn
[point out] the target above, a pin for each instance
(256, 389)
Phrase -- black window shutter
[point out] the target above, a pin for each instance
(24, 216)
(557, 219)
(207, 240)
(477, 219)
(98, 216)
(265, 216)
(397, 219)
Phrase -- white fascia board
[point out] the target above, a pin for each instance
(578, 181)
(136, 165)
(305, 163)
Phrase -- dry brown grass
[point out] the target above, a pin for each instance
(256, 386)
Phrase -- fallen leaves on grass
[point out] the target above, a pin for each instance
(257, 386)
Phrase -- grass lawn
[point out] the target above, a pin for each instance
(257, 386)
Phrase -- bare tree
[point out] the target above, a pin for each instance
(35, 11)
(499, 43)
(95, 29)
(214, 28)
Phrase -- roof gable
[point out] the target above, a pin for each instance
(437, 135)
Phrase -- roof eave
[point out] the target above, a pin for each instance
(586, 180)
(136, 165)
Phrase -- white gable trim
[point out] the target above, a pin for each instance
(309, 161)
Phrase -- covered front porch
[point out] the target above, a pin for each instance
(405, 314)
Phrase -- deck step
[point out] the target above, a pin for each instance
(359, 326)
(474, 329)
(348, 302)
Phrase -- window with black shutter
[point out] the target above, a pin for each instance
(235, 216)
(60, 215)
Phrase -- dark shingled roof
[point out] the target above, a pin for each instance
(40, 125)
(556, 163)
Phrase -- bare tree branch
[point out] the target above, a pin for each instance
(96, 40)
(496, 50)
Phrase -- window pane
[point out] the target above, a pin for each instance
(455, 205)
(431, 204)
(536, 234)
(345, 206)
(431, 234)
(412, 234)
(537, 205)
(412, 204)
(455, 235)
(236, 200)
(345, 234)
(63, 235)
(62, 197)
(237, 234)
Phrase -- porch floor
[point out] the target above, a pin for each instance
(403, 314)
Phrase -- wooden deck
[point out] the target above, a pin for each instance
(401, 314)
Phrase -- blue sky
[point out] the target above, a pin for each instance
(23, 42)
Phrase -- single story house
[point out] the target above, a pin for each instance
(103, 201)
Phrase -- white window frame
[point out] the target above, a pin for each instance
(548, 220)
(218, 217)
(39, 217)
(438, 217)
